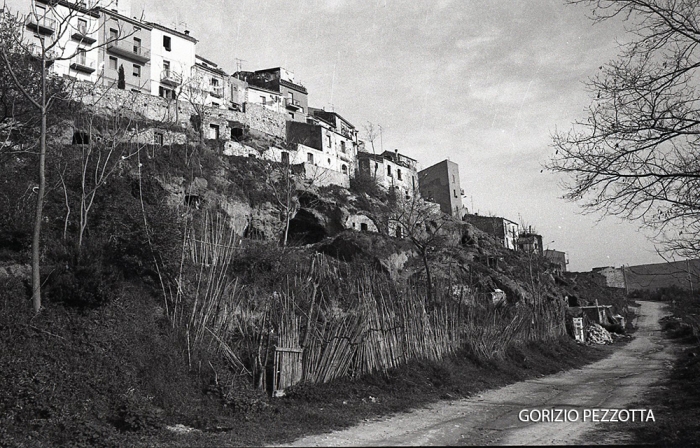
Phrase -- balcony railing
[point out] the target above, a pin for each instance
(81, 34)
(41, 24)
(129, 50)
(49, 55)
(216, 91)
(170, 78)
(293, 104)
(83, 65)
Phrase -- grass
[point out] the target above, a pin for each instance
(117, 375)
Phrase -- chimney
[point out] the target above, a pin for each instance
(396, 155)
(187, 32)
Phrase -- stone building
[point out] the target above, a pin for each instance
(557, 258)
(293, 95)
(505, 230)
(391, 170)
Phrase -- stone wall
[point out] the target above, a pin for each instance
(178, 113)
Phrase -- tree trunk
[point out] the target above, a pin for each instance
(428, 279)
(36, 239)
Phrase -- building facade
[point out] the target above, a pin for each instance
(125, 45)
(557, 258)
(440, 184)
(69, 30)
(505, 230)
(530, 243)
(173, 59)
(208, 85)
(391, 170)
(294, 96)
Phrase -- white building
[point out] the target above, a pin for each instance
(172, 60)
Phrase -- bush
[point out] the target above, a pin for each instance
(365, 183)
(80, 278)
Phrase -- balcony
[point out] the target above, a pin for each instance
(40, 24)
(216, 91)
(129, 50)
(35, 52)
(83, 65)
(82, 35)
(292, 104)
(170, 78)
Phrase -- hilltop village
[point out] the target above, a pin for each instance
(156, 71)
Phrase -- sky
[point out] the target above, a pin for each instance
(481, 83)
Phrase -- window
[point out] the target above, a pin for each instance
(291, 115)
(454, 192)
(166, 65)
(236, 133)
(82, 56)
(137, 71)
(166, 93)
(328, 137)
(113, 35)
(263, 100)
(398, 174)
(214, 82)
(329, 161)
(344, 169)
(213, 104)
(158, 138)
(214, 131)
(82, 26)
(363, 227)
(137, 45)
(388, 170)
(285, 157)
(310, 158)
(113, 62)
(453, 178)
(166, 43)
(399, 233)
(342, 145)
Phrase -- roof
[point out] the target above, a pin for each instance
(93, 11)
(131, 20)
(172, 31)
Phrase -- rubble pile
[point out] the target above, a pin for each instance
(595, 334)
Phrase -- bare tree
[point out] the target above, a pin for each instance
(425, 226)
(636, 155)
(46, 50)
(281, 183)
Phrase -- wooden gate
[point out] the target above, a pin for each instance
(287, 370)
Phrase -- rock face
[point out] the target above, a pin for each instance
(16, 270)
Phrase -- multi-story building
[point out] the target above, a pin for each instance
(440, 184)
(124, 47)
(391, 170)
(293, 94)
(557, 258)
(70, 30)
(505, 230)
(208, 84)
(172, 60)
(530, 242)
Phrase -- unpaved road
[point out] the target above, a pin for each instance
(492, 417)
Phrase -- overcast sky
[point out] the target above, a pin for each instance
(482, 83)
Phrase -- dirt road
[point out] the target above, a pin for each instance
(492, 418)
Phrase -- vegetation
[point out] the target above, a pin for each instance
(160, 308)
(636, 154)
